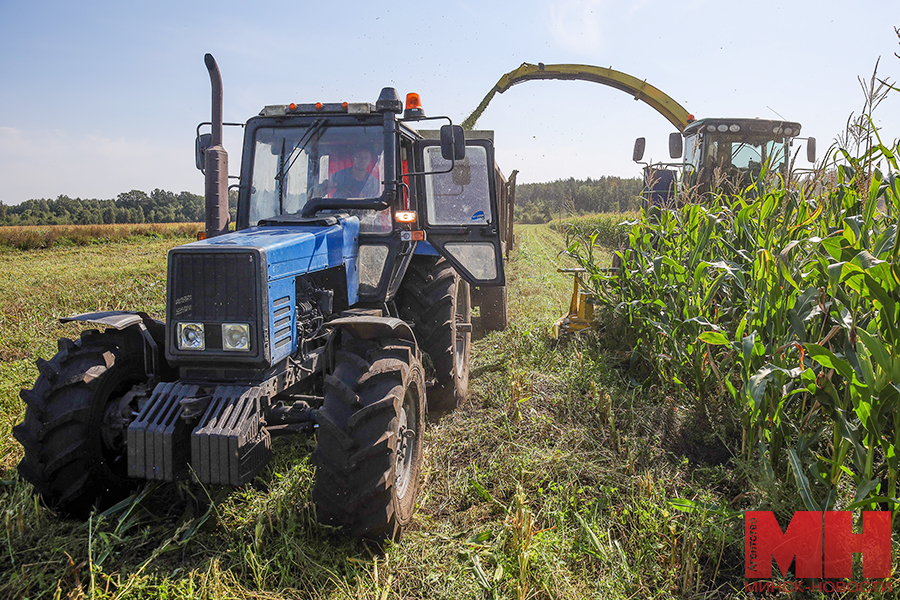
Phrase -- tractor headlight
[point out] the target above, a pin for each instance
(236, 337)
(191, 336)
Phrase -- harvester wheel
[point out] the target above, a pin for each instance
(370, 439)
(73, 433)
(437, 301)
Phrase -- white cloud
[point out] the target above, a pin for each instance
(575, 24)
(49, 163)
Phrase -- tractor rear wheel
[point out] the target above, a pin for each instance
(73, 432)
(370, 439)
(438, 302)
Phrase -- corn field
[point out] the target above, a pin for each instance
(785, 302)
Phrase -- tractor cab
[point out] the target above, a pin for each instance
(411, 195)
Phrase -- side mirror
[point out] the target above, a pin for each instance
(811, 149)
(201, 144)
(638, 152)
(453, 142)
(675, 145)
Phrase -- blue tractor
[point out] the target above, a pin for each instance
(339, 306)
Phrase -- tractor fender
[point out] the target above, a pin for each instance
(117, 319)
(366, 327)
(152, 331)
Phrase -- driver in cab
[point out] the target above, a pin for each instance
(354, 181)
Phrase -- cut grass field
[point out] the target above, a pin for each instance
(552, 480)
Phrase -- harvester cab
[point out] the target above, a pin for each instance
(338, 306)
(721, 154)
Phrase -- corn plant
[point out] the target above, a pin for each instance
(786, 300)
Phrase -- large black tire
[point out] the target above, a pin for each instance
(494, 314)
(437, 300)
(75, 455)
(370, 439)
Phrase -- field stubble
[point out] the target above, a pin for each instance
(551, 481)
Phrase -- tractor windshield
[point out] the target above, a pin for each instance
(292, 165)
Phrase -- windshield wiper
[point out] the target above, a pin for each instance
(299, 148)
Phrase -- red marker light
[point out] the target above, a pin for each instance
(344, 106)
(319, 106)
(292, 106)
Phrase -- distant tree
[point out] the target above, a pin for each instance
(539, 202)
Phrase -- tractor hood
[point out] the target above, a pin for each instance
(259, 279)
(293, 249)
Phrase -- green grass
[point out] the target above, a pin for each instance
(552, 480)
(38, 287)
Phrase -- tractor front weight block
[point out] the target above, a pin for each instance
(228, 445)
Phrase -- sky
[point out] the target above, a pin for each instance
(99, 98)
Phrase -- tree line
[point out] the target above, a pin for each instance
(535, 203)
(541, 202)
(160, 206)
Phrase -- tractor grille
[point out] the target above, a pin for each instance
(214, 287)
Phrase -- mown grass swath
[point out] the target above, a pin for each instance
(784, 300)
(548, 482)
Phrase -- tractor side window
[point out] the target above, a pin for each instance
(372, 258)
(462, 196)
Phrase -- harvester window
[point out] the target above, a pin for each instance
(747, 154)
(691, 150)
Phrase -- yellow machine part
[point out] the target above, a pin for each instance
(581, 309)
(641, 90)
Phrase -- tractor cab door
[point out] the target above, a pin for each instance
(458, 209)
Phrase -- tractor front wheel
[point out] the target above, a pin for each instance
(74, 428)
(370, 439)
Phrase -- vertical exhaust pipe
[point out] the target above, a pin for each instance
(216, 160)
